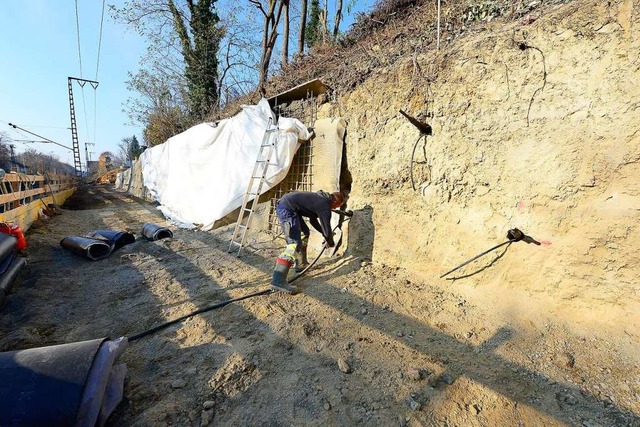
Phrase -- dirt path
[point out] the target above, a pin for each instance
(364, 344)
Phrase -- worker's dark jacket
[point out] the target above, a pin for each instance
(315, 206)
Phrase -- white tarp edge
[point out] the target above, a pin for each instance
(202, 174)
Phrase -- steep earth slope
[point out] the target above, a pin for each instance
(535, 126)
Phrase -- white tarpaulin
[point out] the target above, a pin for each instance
(202, 174)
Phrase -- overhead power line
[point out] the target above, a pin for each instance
(100, 39)
(84, 104)
(78, 37)
(95, 93)
(47, 140)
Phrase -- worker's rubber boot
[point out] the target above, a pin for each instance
(301, 257)
(279, 280)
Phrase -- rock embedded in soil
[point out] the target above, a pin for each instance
(205, 418)
(179, 384)
(564, 360)
(344, 366)
(447, 379)
(415, 374)
(412, 403)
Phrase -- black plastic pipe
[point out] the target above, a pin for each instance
(8, 245)
(44, 386)
(156, 232)
(115, 239)
(93, 249)
(6, 261)
(9, 276)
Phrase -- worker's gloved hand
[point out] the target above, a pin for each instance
(329, 243)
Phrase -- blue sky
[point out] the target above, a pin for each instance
(39, 51)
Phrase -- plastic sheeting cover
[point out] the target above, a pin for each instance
(201, 175)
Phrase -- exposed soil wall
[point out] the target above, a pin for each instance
(535, 126)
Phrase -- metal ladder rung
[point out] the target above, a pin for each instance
(250, 198)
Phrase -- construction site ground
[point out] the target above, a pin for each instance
(362, 344)
(534, 117)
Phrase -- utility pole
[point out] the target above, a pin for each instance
(86, 154)
(74, 128)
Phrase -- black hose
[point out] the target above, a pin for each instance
(476, 257)
(193, 313)
(413, 155)
(349, 215)
(309, 266)
(221, 304)
(514, 235)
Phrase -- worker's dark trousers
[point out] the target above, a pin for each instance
(292, 225)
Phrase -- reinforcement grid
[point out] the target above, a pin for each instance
(300, 176)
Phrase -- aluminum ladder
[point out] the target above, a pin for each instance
(251, 196)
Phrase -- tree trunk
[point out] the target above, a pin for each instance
(325, 26)
(336, 25)
(303, 25)
(285, 33)
(269, 40)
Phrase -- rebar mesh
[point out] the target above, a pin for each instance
(300, 176)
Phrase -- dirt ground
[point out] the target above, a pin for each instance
(363, 344)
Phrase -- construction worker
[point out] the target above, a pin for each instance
(291, 209)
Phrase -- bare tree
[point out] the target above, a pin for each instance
(269, 37)
(337, 19)
(107, 161)
(303, 26)
(239, 54)
(324, 17)
(33, 161)
(285, 32)
(5, 157)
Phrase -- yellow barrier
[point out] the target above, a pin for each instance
(24, 197)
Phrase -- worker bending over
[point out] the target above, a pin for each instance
(291, 209)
